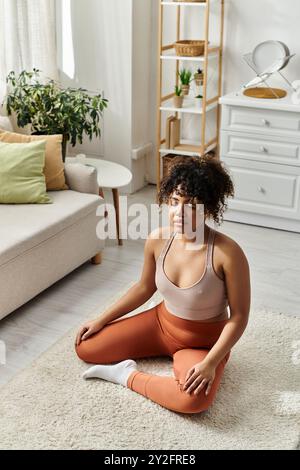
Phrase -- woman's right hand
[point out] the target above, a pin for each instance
(88, 329)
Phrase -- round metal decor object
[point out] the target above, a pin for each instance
(271, 56)
(264, 92)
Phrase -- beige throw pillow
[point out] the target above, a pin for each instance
(54, 166)
(82, 178)
(6, 124)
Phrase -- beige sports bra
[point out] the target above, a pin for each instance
(206, 299)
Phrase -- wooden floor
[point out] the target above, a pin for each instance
(273, 255)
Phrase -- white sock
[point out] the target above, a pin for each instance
(116, 373)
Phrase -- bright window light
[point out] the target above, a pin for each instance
(68, 63)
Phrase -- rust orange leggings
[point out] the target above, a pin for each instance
(157, 332)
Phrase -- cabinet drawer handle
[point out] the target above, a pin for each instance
(260, 189)
(265, 122)
(263, 149)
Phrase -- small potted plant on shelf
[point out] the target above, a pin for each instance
(185, 76)
(198, 77)
(50, 109)
(198, 101)
(178, 98)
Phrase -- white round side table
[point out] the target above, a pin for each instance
(110, 175)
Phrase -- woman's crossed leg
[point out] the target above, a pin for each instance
(141, 336)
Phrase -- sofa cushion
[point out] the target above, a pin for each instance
(82, 178)
(5, 124)
(22, 180)
(22, 227)
(54, 166)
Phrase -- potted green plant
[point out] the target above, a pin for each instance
(198, 77)
(185, 76)
(198, 101)
(50, 109)
(178, 98)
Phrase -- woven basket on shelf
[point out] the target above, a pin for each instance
(189, 47)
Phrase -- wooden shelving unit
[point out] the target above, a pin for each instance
(165, 103)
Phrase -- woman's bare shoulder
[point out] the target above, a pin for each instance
(157, 238)
(228, 247)
(160, 233)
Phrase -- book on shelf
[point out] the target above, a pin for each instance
(168, 124)
(174, 133)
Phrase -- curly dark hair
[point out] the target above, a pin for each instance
(203, 179)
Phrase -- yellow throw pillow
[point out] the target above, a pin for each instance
(54, 165)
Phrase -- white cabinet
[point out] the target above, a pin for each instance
(260, 146)
(239, 118)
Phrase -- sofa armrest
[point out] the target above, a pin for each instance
(81, 178)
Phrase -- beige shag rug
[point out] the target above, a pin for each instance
(49, 406)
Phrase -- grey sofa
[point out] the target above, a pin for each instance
(41, 243)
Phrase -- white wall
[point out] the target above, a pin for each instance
(142, 83)
(115, 44)
(248, 23)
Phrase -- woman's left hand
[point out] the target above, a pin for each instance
(198, 377)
